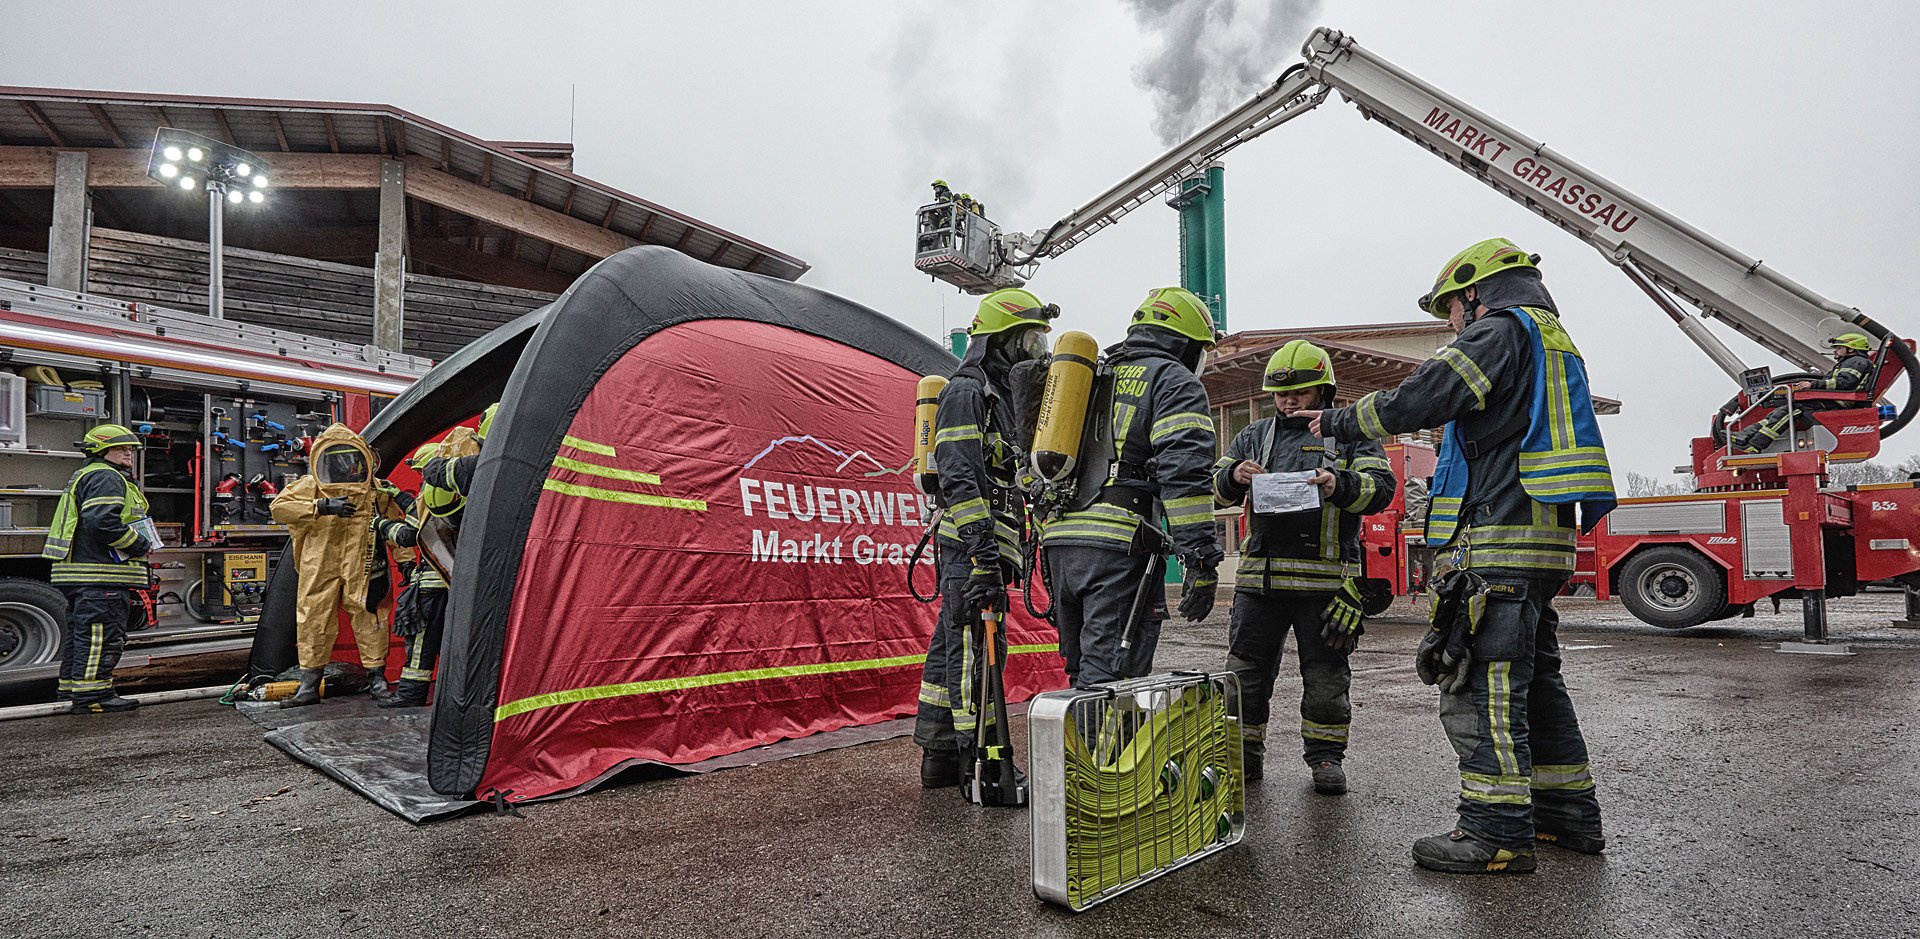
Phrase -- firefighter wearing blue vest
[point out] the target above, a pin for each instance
(420, 612)
(98, 542)
(1521, 453)
(1164, 449)
(979, 460)
(1300, 571)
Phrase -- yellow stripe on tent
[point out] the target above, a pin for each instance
(658, 685)
(631, 498)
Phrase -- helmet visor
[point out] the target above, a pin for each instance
(341, 464)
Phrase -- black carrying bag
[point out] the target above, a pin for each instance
(273, 637)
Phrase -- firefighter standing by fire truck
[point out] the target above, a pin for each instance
(98, 542)
(1521, 452)
(1300, 570)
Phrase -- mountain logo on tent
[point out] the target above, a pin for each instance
(808, 449)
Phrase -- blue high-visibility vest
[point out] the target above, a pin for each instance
(1562, 458)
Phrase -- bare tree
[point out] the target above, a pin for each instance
(1859, 474)
(1640, 484)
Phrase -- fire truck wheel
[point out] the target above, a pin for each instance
(1672, 587)
(31, 618)
(1731, 610)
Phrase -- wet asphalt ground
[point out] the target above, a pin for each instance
(1747, 793)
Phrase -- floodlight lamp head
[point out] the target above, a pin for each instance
(177, 153)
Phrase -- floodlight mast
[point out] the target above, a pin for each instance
(217, 234)
(221, 166)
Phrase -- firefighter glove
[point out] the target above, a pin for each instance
(1442, 662)
(1340, 622)
(986, 589)
(338, 505)
(1197, 593)
(406, 612)
(1456, 665)
(1445, 657)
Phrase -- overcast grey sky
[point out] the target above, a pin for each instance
(1786, 129)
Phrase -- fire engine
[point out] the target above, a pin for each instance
(1758, 526)
(226, 412)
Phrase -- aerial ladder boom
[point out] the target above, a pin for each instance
(1661, 254)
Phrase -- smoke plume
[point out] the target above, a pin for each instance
(1213, 54)
(969, 78)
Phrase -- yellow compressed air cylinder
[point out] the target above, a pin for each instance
(925, 406)
(1063, 406)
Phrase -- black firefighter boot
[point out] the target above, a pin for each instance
(408, 694)
(308, 692)
(378, 689)
(1582, 842)
(1457, 852)
(1329, 779)
(107, 705)
(939, 768)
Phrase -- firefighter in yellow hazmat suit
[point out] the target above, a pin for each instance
(331, 514)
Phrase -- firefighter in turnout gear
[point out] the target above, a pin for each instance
(331, 514)
(1521, 453)
(1299, 570)
(979, 461)
(1852, 365)
(98, 542)
(447, 477)
(420, 613)
(1103, 553)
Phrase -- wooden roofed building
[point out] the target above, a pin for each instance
(382, 226)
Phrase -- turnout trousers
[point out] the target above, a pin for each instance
(1523, 761)
(1093, 591)
(96, 635)
(423, 648)
(1776, 423)
(317, 611)
(1256, 642)
(948, 717)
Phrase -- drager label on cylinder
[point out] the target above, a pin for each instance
(1540, 174)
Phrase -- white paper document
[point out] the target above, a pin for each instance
(146, 529)
(1279, 493)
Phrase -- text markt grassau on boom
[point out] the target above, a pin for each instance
(831, 505)
(1534, 171)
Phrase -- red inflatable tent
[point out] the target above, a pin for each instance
(690, 530)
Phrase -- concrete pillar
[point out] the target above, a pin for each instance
(390, 258)
(72, 211)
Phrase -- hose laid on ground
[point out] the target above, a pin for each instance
(151, 697)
